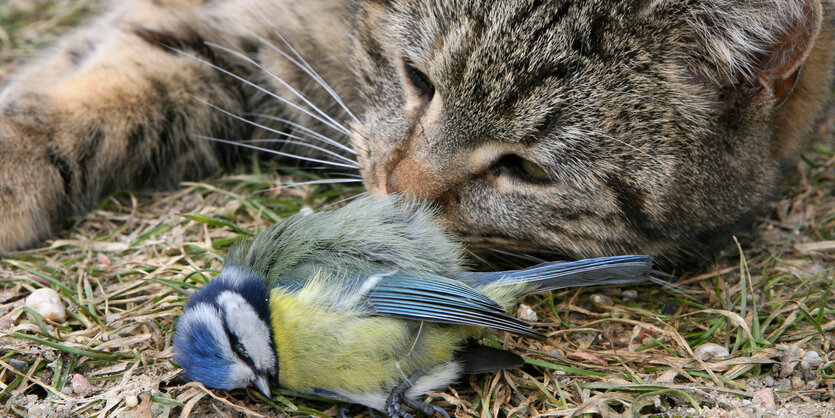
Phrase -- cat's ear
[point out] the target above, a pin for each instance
(761, 43)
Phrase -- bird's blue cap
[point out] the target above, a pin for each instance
(223, 338)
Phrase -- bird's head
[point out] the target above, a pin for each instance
(223, 338)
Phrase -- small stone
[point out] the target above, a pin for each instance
(811, 360)
(602, 300)
(708, 351)
(131, 401)
(305, 211)
(19, 365)
(765, 399)
(629, 294)
(80, 385)
(103, 259)
(768, 381)
(526, 313)
(797, 383)
(47, 303)
(6, 324)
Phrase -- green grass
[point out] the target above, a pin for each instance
(125, 269)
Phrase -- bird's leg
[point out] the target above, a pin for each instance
(394, 403)
(426, 408)
(345, 411)
(397, 400)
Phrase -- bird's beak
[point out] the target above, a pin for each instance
(262, 383)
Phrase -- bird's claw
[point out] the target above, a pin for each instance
(398, 401)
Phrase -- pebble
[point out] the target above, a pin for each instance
(305, 211)
(811, 360)
(708, 351)
(80, 385)
(131, 401)
(765, 399)
(103, 259)
(602, 300)
(526, 313)
(19, 365)
(6, 323)
(47, 303)
(797, 383)
(629, 294)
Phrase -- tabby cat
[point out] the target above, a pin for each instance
(584, 128)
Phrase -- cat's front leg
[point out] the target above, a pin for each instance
(118, 105)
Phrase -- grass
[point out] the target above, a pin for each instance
(125, 269)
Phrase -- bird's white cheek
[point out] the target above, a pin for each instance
(240, 375)
(251, 331)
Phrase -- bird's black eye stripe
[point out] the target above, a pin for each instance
(238, 347)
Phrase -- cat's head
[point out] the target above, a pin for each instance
(585, 127)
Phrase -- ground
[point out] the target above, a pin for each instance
(749, 334)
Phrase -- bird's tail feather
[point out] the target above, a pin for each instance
(554, 275)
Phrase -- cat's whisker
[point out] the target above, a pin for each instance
(287, 85)
(303, 65)
(337, 128)
(299, 143)
(258, 125)
(347, 175)
(315, 75)
(306, 183)
(481, 260)
(299, 62)
(306, 131)
(275, 152)
(347, 199)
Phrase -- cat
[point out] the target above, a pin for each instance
(582, 128)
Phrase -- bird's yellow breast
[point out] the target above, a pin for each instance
(319, 345)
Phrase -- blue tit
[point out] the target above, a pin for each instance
(368, 304)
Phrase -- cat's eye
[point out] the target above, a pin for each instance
(419, 81)
(522, 169)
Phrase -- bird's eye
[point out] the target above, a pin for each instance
(419, 81)
(522, 169)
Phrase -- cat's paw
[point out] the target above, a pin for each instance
(31, 190)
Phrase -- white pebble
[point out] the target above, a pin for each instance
(131, 401)
(629, 294)
(811, 360)
(602, 300)
(526, 313)
(48, 304)
(305, 211)
(80, 385)
(708, 351)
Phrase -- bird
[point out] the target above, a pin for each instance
(369, 304)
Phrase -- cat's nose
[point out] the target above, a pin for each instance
(414, 178)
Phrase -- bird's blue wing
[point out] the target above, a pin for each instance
(625, 269)
(432, 298)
